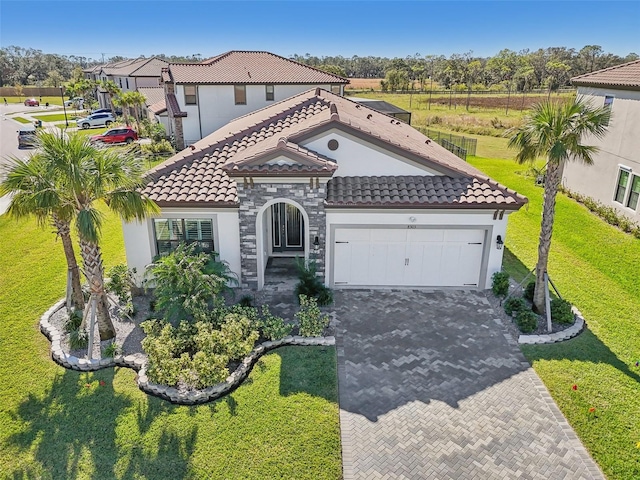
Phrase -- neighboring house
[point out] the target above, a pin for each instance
(129, 75)
(373, 201)
(155, 108)
(203, 97)
(614, 178)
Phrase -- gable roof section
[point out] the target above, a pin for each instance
(200, 174)
(138, 67)
(438, 191)
(622, 77)
(155, 99)
(250, 67)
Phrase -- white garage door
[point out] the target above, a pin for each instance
(407, 257)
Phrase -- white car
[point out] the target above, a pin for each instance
(75, 101)
(96, 120)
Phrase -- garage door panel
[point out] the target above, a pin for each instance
(408, 257)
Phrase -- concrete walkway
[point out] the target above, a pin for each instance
(431, 386)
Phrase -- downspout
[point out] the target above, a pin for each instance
(198, 102)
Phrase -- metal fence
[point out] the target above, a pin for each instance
(457, 144)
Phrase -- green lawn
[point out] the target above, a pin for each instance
(52, 100)
(56, 117)
(595, 266)
(281, 423)
(21, 120)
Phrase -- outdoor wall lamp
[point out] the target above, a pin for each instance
(499, 242)
(316, 243)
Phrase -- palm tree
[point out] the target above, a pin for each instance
(100, 176)
(33, 193)
(112, 90)
(122, 101)
(136, 100)
(554, 130)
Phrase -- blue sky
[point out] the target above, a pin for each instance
(380, 28)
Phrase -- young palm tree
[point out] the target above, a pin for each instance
(112, 90)
(554, 130)
(121, 100)
(83, 182)
(33, 193)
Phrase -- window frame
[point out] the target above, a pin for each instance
(335, 87)
(270, 96)
(616, 194)
(633, 194)
(190, 98)
(608, 104)
(182, 228)
(243, 89)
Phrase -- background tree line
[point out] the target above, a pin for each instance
(543, 68)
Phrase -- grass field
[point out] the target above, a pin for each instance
(51, 100)
(21, 120)
(56, 117)
(281, 423)
(595, 266)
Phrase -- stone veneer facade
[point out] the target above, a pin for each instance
(253, 197)
(176, 122)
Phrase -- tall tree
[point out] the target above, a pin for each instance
(554, 131)
(32, 186)
(112, 90)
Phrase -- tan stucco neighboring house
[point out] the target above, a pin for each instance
(373, 201)
(202, 97)
(614, 179)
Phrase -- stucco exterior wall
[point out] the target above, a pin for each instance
(619, 147)
(421, 218)
(216, 106)
(140, 245)
(147, 81)
(355, 157)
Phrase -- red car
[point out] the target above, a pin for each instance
(116, 135)
(31, 102)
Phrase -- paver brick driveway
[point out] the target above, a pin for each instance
(431, 386)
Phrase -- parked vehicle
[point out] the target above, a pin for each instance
(77, 101)
(27, 137)
(95, 120)
(31, 102)
(116, 135)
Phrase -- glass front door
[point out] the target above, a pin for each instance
(287, 228)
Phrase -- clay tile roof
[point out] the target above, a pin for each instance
(439, 191)
(152, 94)
(151, 68)
(248, 67)
(268, 141)
(173, 106)
(624, 77)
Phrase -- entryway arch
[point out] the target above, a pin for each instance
(264, 241)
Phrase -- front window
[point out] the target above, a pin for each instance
(127, 82)
(632, 201)
(270, 89)
(335, 89)
(240, 94)
(621, 188)
(608, 103)
(190, 95)
(171, 232)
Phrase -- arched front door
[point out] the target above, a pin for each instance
(287, 228)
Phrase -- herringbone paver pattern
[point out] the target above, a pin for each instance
(433, 387)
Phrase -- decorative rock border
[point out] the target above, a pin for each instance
(138, 362)
(572, 331)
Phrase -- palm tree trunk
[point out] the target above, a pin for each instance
(63, 229)
(92, 260)
(551, 184)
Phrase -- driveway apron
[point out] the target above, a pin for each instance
(431, 386)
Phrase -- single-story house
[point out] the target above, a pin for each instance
(373, 201)
(614, 178)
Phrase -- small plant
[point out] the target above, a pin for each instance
(514, 304)
(121, 280)
(274, 328)
(246, 301)
(500, 284)
(311, 321)
(561, 311)
(111, 350)
(527, 321)
(529, 290)
(78, 339)
(310, 285)
(73, 323)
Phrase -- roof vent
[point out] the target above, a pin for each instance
(333, 108)
(369, 117)
(427, 141)
(358, 105)
(317, 90)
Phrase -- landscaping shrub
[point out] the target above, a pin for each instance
(120, 283)
(527, 321)
(187, 282)
(195, 355)
(311, 321)
(78, 339)
(500, 284)
(111, 350)
(514, 304)
(157, 148)
(74, 321)
(310, 285)
(529, 290)
(274, 328)
(561, 311)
